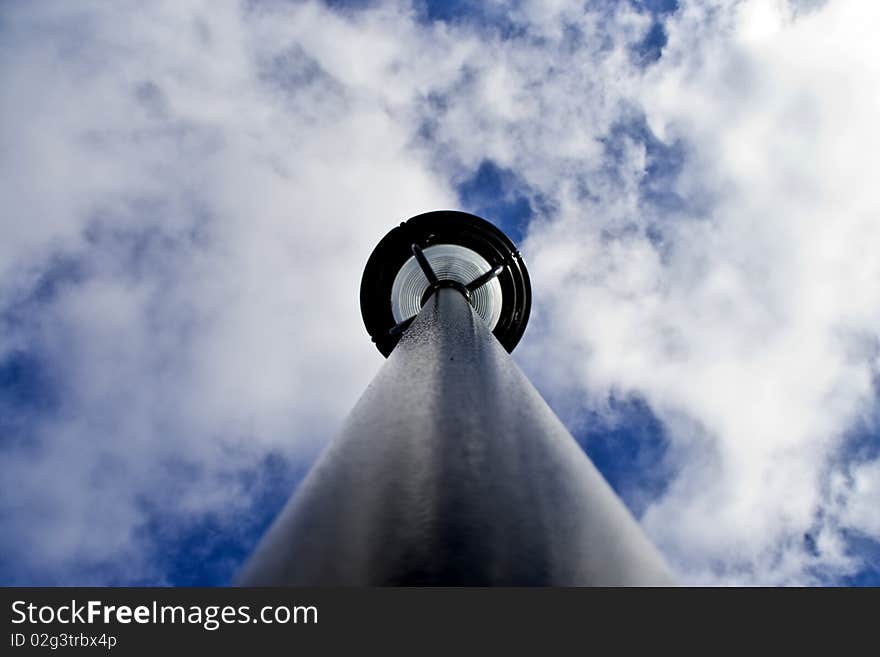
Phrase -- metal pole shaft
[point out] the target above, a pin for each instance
(452, 470)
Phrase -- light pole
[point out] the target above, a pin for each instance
(451, 469)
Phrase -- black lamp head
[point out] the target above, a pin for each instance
(445, 248)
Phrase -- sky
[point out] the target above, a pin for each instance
(190, 191)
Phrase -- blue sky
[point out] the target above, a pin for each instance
(690, 183)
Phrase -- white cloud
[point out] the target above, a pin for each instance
(759, 319)
(215, 177)
(857, 491)
(221, 217)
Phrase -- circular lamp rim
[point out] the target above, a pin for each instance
(444, 227)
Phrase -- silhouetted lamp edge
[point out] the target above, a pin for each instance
(506, 270)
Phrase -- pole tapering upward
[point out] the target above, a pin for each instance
(452, 470)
